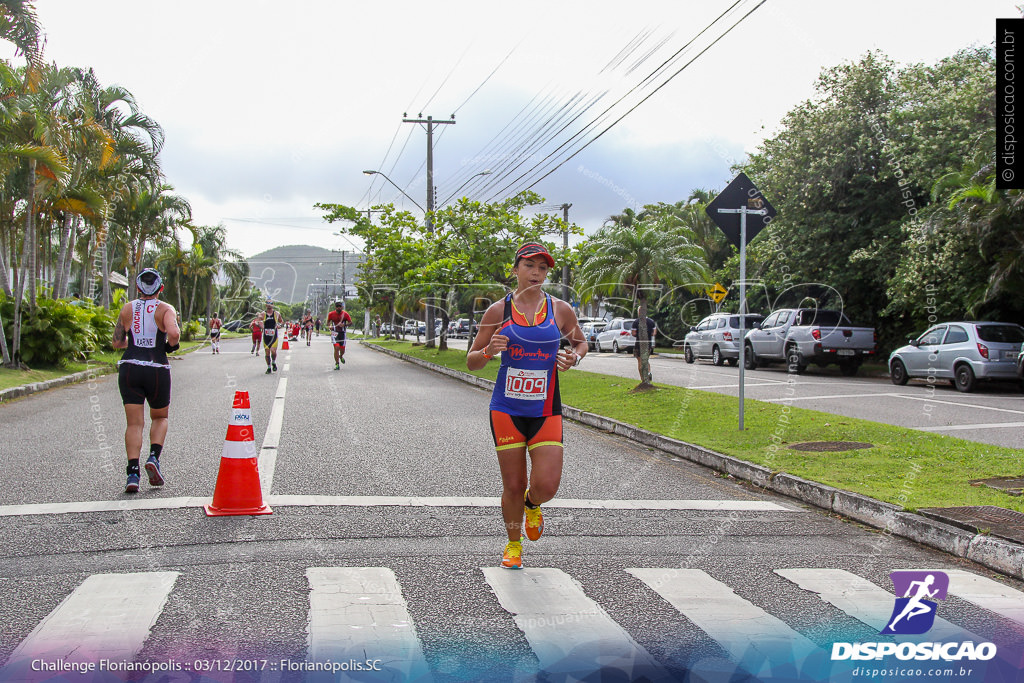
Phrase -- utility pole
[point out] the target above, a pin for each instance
(343, 287)
(429, 218)
(565, 262)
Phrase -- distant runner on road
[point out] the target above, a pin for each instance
(526, 328)
(272, 323)
(307, 326)
(215, 324)
(146, 329)
(338, 321)
(319, 323)
(257, 334)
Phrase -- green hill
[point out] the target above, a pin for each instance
(298, 272)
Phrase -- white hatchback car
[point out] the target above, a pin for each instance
(617, 336)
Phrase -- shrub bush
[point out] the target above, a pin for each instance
(57, 332)
(189, 330)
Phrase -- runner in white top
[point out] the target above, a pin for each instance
(147, 329)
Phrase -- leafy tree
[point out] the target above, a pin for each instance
(467, 254)
(656, 250)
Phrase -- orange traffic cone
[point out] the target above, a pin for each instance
(284, 345)
(238, 489)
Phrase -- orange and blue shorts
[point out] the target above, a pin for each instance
(516, 431)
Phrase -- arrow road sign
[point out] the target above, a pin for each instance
(717, 293)
(741, 192)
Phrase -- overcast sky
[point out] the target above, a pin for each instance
(271, 107)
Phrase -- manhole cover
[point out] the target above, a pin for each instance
(830, 446)
(997, 521)
(1012, 485)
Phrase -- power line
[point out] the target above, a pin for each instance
(634, 44)
(651, 94)
(606, 113)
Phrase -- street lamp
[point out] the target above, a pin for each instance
(487, 172)
(396, 187)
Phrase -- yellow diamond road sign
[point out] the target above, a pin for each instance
(717, 293)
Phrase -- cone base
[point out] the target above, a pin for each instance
(212, 511)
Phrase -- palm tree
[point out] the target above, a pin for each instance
(651, 252)
(213, 240)
(146, 211)
(31, 137)
(20, 25)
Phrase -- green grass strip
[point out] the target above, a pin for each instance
(16, 378)
(906, 467)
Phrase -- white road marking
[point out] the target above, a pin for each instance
(400, 501)
(267, 461)
(761, 643)
(818, 398)
(566, 630)
(865, 601)
(990, 425)
(961, 405)
(109, 616)
(735, 385)
(986, 594)
(358, 613)
(286, 366)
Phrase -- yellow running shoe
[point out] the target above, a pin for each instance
(513, 558)
(534, 526)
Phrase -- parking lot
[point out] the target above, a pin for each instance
(993, 413)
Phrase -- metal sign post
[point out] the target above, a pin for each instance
(743, 211)
(742, 193)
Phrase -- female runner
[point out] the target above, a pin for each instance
(526, 328)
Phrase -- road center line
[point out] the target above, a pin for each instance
(267, 461)
(396, 501)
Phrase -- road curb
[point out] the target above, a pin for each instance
(36, 387)
(73, 378)
(999, 554)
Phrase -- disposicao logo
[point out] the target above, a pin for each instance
(914, 614)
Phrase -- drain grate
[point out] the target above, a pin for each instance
(998, 521)
(830, 446)
(1012, 485)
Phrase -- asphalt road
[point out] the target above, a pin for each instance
(652, 567)
(992, 414)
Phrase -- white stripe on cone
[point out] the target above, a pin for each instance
(239, 450)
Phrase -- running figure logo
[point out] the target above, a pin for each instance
(914, 613)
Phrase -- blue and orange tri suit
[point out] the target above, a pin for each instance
(526, 409)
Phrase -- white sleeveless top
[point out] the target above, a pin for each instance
(145, 340)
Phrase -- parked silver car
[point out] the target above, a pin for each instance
(718, 337)
(1020, 366)
(961, 352)
(591, 330)
(617, 336)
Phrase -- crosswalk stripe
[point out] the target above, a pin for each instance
(108, 616)
(358, 613)
(761, 643)
(986, 594)
(566, 630)
(865, 601)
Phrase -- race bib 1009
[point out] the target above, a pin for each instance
(526, 385)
